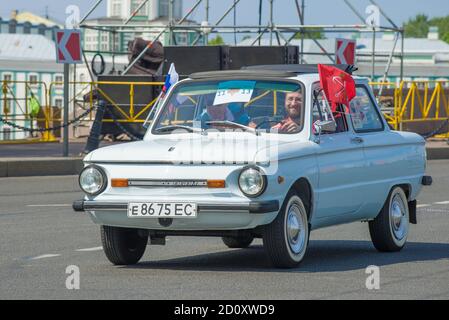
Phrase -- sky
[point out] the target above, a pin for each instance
(316, 11)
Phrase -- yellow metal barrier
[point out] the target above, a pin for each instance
(417, 102)
(16, 95)
(84, 96)
(128, 116)
(402, 104)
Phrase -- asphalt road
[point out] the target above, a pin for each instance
(40, 236)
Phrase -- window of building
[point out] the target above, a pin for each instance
(135, 4)
(6, 133)
(32, 79)
(12, 26)
(7, 77)
(59, 79)
(116, 8)
(58, 103)
(181, 38)
(163, 8)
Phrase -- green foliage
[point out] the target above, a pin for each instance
(312, 34)
(418, 27)
(218, 40)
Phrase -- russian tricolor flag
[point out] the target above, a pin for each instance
(170, 79)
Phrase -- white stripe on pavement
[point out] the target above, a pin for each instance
(90, 249)
(43, 256)
(442, 202)
(423, 205)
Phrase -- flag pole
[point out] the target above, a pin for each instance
(153, 108)
(172, 74)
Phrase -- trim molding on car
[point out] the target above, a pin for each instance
(251, 207)
(176, 183)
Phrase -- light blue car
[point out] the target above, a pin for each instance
(255, 154)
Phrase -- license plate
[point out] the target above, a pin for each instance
(162, 210)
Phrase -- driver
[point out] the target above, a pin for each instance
(293, 107)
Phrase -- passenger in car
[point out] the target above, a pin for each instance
(218, 112)
(239, 113)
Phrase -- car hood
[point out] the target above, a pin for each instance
(195, 149)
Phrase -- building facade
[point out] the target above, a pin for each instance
(150, 18)
(28, 23)
(28, 70)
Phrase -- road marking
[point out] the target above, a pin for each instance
(43, 256)
(436, 210)
(90, 249)
(49, 205)
(441, 202)
(423, 205)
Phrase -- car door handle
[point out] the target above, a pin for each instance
(357, 140)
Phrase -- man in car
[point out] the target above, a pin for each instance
(293, 107)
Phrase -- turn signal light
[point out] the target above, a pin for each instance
(215, 183)
(119, 183)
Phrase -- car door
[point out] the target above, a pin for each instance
(383, 149)
(341, 165)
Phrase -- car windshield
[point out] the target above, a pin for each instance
(244, 105)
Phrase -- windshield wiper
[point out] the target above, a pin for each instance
(233, 124)
(175, 127)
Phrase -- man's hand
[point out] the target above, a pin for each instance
(289, 126)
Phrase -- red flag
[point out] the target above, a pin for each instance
(338, 86)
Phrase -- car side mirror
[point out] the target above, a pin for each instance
(324, 126)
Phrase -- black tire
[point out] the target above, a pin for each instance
(276, 239)
(123, 246)
(386, 235)
(238, 242)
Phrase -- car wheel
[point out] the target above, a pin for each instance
(123, 246)
(286, 238)
(389, 230)
(238, 242)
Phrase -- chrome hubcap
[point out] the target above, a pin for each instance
(398, 217)
(296, 231)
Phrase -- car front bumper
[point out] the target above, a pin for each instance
(211, 216)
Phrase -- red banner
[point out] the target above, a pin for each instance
(338, 86)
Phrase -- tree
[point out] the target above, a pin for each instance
(418, 27)
(217, 41)
(311, 34)
(443, 27)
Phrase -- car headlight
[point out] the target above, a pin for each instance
(252, 181)
(92, 180)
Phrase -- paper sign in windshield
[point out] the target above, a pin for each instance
(232, 95)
